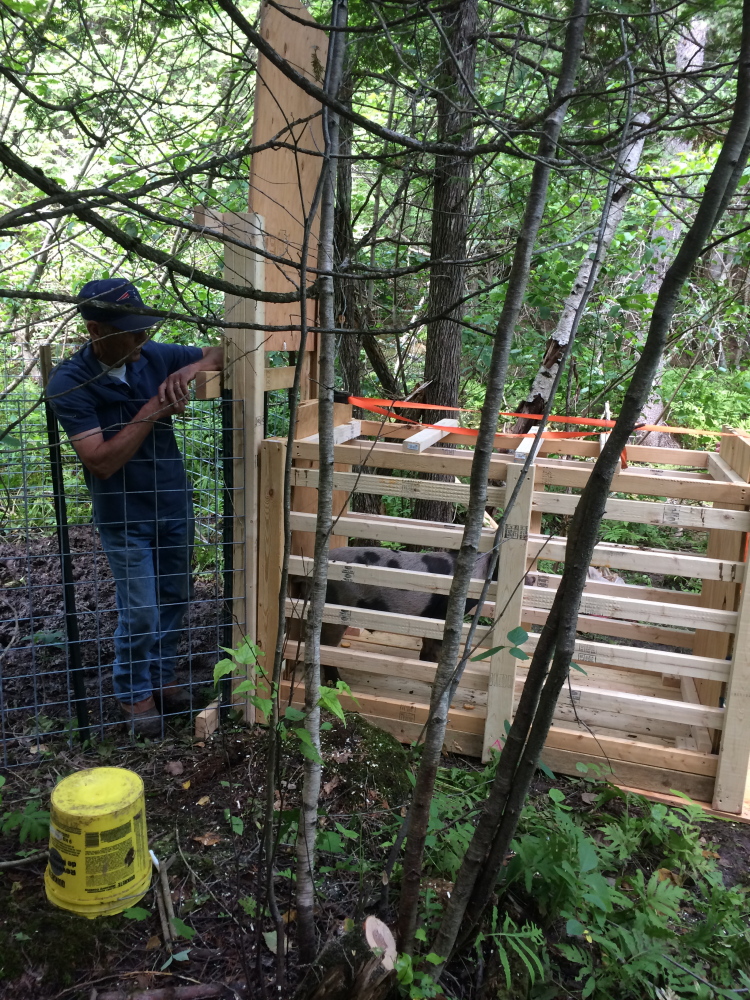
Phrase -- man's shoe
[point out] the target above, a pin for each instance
(143, 717)
(174, 700)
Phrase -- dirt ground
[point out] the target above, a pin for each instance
(193, 790)
(34, 681)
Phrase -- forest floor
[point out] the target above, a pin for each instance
(35, 688)
(204, 805)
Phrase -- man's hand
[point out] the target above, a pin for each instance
(174, 390)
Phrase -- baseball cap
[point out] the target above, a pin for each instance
(114, 292)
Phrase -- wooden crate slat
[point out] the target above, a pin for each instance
(458, 463)
(586, 651)
(658, 612)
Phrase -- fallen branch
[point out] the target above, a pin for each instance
(203, 991)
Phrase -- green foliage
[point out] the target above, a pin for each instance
(707, 398)
(634, 898)
(31, 822)
(525, 945)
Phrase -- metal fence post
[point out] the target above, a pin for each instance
(75, 665)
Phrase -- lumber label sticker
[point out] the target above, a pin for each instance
(587, 653)
(671, 513)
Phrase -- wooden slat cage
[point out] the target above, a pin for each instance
(663, 701)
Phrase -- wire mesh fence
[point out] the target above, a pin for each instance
(56, 642)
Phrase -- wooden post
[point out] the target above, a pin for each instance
(305, 498)
(245, 363)
(734, 760)
(270, 550)
(283, 179)
(508, 596)
(734, 465)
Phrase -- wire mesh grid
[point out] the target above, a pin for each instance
(50, 686)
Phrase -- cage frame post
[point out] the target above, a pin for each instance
(245, 366)
(731, 465)
(270, 557)
(511, 573)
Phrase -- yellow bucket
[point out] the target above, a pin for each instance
(99, 863)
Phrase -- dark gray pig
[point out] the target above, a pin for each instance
(405, 602)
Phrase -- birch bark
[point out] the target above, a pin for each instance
(537, 396)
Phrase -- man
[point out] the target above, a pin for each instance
(115, 399)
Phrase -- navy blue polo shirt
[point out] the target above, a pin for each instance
(153, 484)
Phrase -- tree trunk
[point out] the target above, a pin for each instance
(448, 674)
(689, 57)
(308, 820)
(450, 220)
(536, 399)
(497, 825)
(346, 290)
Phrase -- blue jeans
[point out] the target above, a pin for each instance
(150, 563)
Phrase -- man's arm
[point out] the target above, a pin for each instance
(104, 458)
(176, 386)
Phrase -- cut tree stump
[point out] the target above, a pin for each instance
(353, 965)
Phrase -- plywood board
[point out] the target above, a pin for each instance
(283, 178)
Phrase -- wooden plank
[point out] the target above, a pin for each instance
(341, 433)
(208, 385)
(722, 470)
(394, 708)
(734, 761)
(438, 583)
(635, 631)
(618, 748)
(414, 711)
(508, 595)
(271, 551)
(456, 741)
(631, 609)
(586, 651)
(647, 512)
(211, 220)
(429, 436)
(551, 581)
(304, 498)
(613, 556)
(628, 703)
(378, 663)
(244, 365)
(398, 486)
(701, 735)
(524, 448)
(283, 179)
(207, 722)
(458, 463)
(645, 560)
(279, 378)
(734, 458)
(589, 697)
(641, 776)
